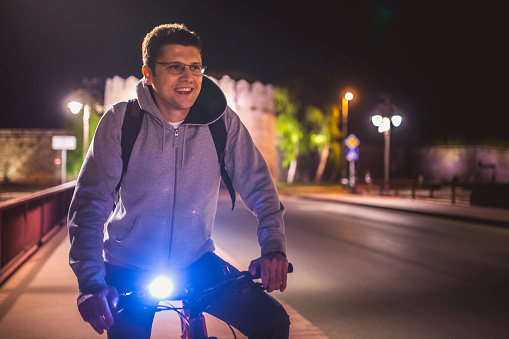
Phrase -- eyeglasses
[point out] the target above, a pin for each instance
(178, 68)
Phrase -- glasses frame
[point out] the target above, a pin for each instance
(172, 71)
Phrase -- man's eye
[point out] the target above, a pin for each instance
(194, 68)
(175, 67)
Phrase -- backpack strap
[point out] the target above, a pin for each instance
(130, 129)
(218, 131)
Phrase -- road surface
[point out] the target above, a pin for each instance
(369, 273)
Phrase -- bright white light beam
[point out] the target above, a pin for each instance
(161, 287)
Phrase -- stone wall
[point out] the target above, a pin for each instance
(471, 164)
(27, 157)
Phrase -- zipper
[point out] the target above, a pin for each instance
(175, 143)
(172, 225)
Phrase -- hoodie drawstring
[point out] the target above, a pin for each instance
(164, 137)
(184, 145)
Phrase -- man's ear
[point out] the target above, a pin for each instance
(147, 74)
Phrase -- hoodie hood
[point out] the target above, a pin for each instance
(208, 107)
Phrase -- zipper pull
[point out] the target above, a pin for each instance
(175, 143)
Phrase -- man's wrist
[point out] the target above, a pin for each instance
(91, 291)
(84, 297)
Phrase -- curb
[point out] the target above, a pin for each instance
(498, 222)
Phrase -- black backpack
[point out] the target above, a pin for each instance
(131, 128)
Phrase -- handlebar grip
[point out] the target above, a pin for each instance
(258, 274)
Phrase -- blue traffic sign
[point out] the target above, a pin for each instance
(352, 154)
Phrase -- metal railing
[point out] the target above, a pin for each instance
(447, 192)
(28, 222)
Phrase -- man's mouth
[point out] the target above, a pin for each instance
(184, 90)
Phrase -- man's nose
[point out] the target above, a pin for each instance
(186, 74)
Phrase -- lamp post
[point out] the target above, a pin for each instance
(344, 132)
(384, 126)
(75, 107)
(86, 99)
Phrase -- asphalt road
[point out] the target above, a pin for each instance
(369, 273)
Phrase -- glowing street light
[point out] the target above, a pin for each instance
(376, 120)
(396, 120)
(75, 107)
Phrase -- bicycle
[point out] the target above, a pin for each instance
(163, 290)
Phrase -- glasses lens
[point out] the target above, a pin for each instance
(178, 68)
(175, 68)
(196, 69)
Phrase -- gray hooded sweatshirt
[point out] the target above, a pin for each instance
(167, 202)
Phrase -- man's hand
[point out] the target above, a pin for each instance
(274, 271)
(96, 308)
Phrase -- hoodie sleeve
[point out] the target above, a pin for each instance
(252, 180)
(93, 201)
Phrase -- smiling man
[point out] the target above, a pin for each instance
(165, 207)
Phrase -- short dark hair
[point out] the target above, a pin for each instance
(176, 34)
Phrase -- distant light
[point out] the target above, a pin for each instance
(99, 109)
(348, 96)
(161, 287)
(57, 161)
(396, 120)
(75, 107)
(376, 120)
(385, 125)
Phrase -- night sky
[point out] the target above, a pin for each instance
(444, 64)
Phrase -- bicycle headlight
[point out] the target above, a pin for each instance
(161, 287)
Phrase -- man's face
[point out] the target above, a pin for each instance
(175, 93)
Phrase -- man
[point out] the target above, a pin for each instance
(167, 201)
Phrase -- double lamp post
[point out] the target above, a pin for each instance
(384, 122)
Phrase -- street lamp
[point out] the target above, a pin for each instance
(86, 99)
(344, 132)
(75, 107)
(384, 126)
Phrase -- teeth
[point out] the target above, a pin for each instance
(183, 89)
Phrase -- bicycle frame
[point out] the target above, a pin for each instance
(194, 325)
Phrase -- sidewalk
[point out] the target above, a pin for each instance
(485, 215)
(39, 301)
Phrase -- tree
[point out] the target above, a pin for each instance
(289, 130)
(323, 136)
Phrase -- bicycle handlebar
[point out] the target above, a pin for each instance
(258, 273)
(234, 281)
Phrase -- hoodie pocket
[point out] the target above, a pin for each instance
(147, 245)
(189, 238)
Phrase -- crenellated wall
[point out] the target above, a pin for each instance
(255, 106)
